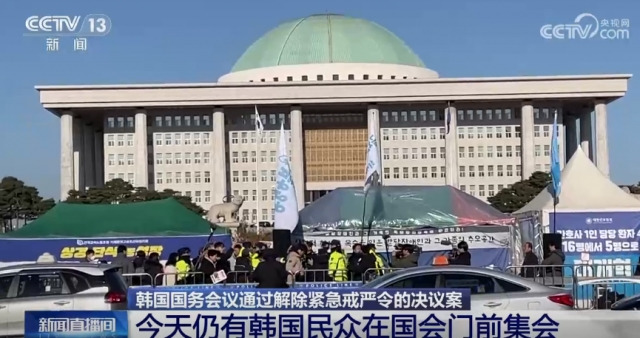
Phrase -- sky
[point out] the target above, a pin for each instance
(199, 40)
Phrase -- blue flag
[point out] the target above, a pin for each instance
(556, 174)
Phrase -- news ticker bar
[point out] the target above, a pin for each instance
(286, 324)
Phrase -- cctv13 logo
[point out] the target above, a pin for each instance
(59, 25)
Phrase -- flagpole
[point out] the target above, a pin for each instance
(258, 178)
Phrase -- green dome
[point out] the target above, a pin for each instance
(327, 38)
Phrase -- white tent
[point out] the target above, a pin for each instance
(584, 189)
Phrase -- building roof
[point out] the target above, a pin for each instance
(399, 207)
(154, 218)
(327, 38)
(584, 188)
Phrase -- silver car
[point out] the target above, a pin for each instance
(491, 290)
(57, 286)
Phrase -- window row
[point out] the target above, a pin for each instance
(488, 151)
(176, 139)
(119, 140)
(479, 132)
(120, 159)
(120, 122)
(463, 152)
(246, 156)
(247, 137)
(481, 192)
(490, 171)
(336, 77)
(415, 172)
(128, 177)
(177, 177)
(245, 176)
(182, 120)
(199, 196)
(266, 195)
(180, 158)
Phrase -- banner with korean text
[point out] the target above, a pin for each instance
(489, 245)
(605, 244)
(338, 324)
(71, 249)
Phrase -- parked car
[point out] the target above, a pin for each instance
(627, 304)
(57, 286)
(490, 289)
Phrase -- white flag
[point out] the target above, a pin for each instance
(258, 122)
(373, 168)
(286, 204)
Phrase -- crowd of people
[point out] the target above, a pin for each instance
(256, 263)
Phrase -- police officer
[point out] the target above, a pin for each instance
(337, 262)
(184, 266)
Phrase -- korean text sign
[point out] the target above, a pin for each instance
(598, 232)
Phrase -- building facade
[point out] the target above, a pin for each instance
(327, 89)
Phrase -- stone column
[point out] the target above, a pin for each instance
(527, 140)
(66, 155)
(98, 145)
(88, 161)
(78, 155)
(297, 153)
(571, 138)
(141, 158)
(602, 143)
(451, 147)
(585, 133)
(219, 152)
(373, 122)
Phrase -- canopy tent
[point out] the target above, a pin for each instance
(398, 207)
(424, 216)
(586, 194)
(68, 230)
(165, 217)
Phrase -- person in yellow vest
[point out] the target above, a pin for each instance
(256, 255)
(337, 263)
(184, 266)
(379, 262)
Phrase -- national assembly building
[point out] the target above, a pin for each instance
(328, 78)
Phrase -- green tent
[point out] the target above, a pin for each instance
(165, 217)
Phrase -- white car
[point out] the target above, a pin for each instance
(494, 290)
(57, 286)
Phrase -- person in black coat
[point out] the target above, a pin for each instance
(354, 260)
(153, 267)
(209, 265)
(463, 256)
(223, 261)
(530, 259)
(270, 273)
(367, 265)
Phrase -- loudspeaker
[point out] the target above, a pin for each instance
(281, 241)
(556, 239)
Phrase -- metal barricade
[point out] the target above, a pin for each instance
(324, 275)
(549, 275)
(599, 293)
(239, 277)
(181, 278)
(138, 279)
